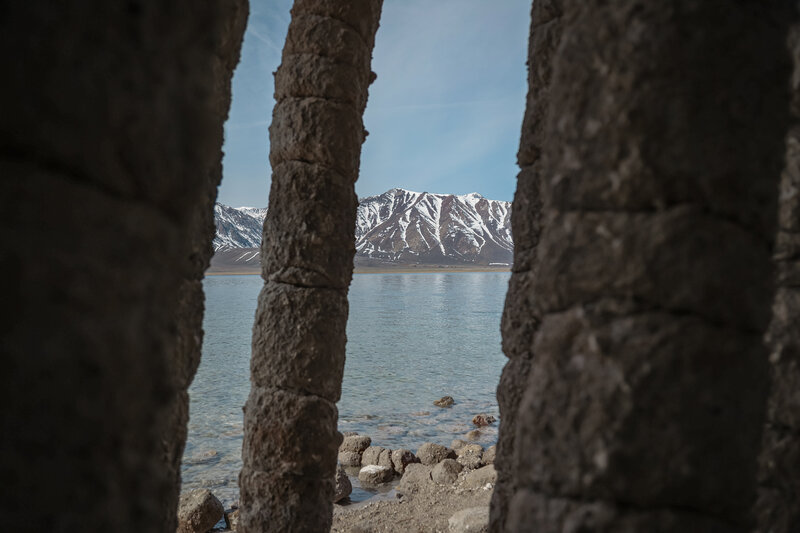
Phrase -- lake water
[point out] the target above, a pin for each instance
(412, 338)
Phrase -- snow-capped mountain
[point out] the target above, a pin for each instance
(238, 227)
(398, 226)
(407, 226)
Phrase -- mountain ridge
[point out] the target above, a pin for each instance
(397, 227)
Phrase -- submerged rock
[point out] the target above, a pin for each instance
(402, 458)
(198, 511)
(343, 487)
(483, 420)
(375, 475)
(444, 401)
(470, 520)
(446, 472)
(430, 453)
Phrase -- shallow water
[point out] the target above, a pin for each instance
(412, 338)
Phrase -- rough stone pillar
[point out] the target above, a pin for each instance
(520, 316)
(191, 299)
(660, 161)
(109, 145)
(290, 421)
(778, 507)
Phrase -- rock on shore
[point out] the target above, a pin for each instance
(198, 511)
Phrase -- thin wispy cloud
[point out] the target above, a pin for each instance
(444, 114)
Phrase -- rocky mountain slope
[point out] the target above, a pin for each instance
(396, 227)
(238, 227)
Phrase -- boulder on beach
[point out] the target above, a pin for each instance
(355, 443)
(349, 433)
(479, 478)
(375, 475)
(416, 477)
(371, 455)
(430, 453)
(469, 456)
(489, 454)
(470, 520)
(446, 472)
(444, 401)
(350, 458)
(470, 449)
(402, 458)
(343, 487)
(198, 511)
(483, 420)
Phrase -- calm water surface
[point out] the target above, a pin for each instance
(412, 338)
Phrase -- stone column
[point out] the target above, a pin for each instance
(197, 254)
(660, 162)
(778, 507)
(291, 436)
(521, 317)
(109, 151)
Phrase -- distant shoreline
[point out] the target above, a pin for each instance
(405, 269)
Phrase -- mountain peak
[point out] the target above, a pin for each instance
(402, 226)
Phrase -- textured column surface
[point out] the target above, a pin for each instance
(191, 299)
(778, 507)
(520, 316)
(660, 158)
(109, 153)
(290, 419)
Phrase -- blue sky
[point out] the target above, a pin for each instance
(444, 114)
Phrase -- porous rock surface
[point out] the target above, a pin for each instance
(431, 453)
(375, 474)
(446, 472)
(342, 486)
(401, 458)
(111, 155)
(641, 283)
(198, 511)
(287, 481)
(355, 443)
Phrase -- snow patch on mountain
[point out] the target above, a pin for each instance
(402, 226)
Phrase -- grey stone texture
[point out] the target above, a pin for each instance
(198, 511)
(778, 504)
(401, 458)
(342, 485)
(291, 442)
(431, 453)
(375, 474)
(355, 443)
(637, 379)
(111, 147)
(469, 520)
(446, 472)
